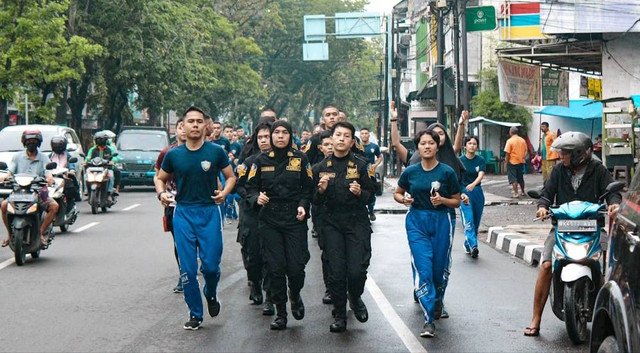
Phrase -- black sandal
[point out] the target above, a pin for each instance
(532, 331)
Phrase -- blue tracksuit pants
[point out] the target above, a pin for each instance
(430, 234)
(471, 215)
(198, 232)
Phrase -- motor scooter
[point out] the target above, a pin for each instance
(67, 211)
(98, 175)
(577, 260)
(24, 215)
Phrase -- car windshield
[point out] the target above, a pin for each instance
(142, 142)
(10, 141)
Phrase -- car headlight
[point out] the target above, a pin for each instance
(576, 251)
(119, 166)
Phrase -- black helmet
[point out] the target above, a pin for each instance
(100, 138)
(31, 135)
(58, 144)
(578, 144)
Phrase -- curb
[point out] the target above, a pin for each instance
(515, 245)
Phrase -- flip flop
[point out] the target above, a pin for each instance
(5, 243)
(532, 331)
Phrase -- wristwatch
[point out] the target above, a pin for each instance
(160, 194)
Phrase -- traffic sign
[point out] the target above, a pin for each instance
(481, 18)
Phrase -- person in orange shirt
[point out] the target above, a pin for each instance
(516, 150)
(549, 157)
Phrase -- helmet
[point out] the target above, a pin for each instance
(31, 135)
(100, 138)
(578, 143)
(58, 144)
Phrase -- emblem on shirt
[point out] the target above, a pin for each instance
(309, 171)
(205, 165)
(373, 150)
(252, 172)
(295, 164)
(307, 146)
(241, 170)
(372, 171)
(352, 173)
(477, 168)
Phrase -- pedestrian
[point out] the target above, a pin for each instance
(374, 157)
(516, 150)
(432, 189)
(471, 211)
(167, 219)
(249, 236)
(281, 181)
(549, 157)
(197, 220)
(579, 177)
(318, 215)
(218, 138)
(345, 188)
(330, 115)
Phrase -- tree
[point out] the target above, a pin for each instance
(487, 103)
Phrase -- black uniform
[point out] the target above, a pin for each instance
(346, 227)
(312, 149)
(285, 176)
(319, 213)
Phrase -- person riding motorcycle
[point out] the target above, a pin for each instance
(579, 177)
(61, 156)
(32, 161)
(103, 150)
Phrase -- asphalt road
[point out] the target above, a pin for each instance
(106, 286)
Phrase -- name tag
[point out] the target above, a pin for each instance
(330, 175)
(269, 168)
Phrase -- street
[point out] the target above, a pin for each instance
(106, 286)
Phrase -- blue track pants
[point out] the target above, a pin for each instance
(471, 215)
(430, 234)
(198, 232)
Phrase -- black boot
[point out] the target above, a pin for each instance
(297, 307)
(268, 309)
(256, 292)
(327, 298)
(359, 309)
(340, 317)
(280, 323)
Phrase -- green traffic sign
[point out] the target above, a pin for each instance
(482, 18)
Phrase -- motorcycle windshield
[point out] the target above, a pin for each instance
(577, 210)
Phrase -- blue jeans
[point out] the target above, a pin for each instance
(230, 207)
(430, 234)
(198, 232)
(471, 215)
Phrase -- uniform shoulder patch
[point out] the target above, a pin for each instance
(272, 154)
(372, 171)
(252, 172)
(289, 154)
(307, 146)
(309, 171)
(241, 170)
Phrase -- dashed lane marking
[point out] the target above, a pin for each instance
(409, 339)
(131, 207)
(83, 228)
(6, 263)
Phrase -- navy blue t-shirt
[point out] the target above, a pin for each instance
(418, 182)
(235, 148)
(473, 167)
(195, 172)
(372, 151)
(223, 142)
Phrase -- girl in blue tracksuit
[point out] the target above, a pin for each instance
(475, 168)
(433, 189)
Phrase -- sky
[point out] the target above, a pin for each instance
(381, 6)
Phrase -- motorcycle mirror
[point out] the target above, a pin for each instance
(535, 193)
(3, 166)
(73, 160)
(52, 166)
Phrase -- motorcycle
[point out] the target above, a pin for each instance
(577, 261)
(24, 215)
(67, 211)
(97, 174)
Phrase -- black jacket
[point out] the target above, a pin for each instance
(558, 187)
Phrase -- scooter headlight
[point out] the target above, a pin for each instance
(99, 177)
(23, 180)
(91, 177)
(576, 251)
(33, 208)
(10, 208)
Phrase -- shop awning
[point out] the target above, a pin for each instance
(578, 109)
(483, 120)
(581, 56)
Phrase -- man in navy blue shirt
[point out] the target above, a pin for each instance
(372, 151)
(197, 221)
(217, 137)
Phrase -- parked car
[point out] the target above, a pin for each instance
(616, 316)
(138, 149)
(10, 142)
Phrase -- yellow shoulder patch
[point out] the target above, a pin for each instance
(272, 154)
(359, 146)
(372, 171)
(289, 154)
(309, 171)
(241, 170)
(306, 147)
(252, 172)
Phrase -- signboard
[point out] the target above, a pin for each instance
(520, 21)
(315, 28)
(315, 51)
(555, 87)
(584, 86)
(594, 88)
(357, 24)
(481, 18)
(519, 83)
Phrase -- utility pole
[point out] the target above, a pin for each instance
(456, 55)
(465, 63)
(26, 109)
(440, 60)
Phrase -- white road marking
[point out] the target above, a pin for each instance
(131, 207)
(86, 227)
(409, 339)
(7, 263)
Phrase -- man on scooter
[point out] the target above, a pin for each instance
(61, 156)
(103, 150)
(578, 177)
(32, 161)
